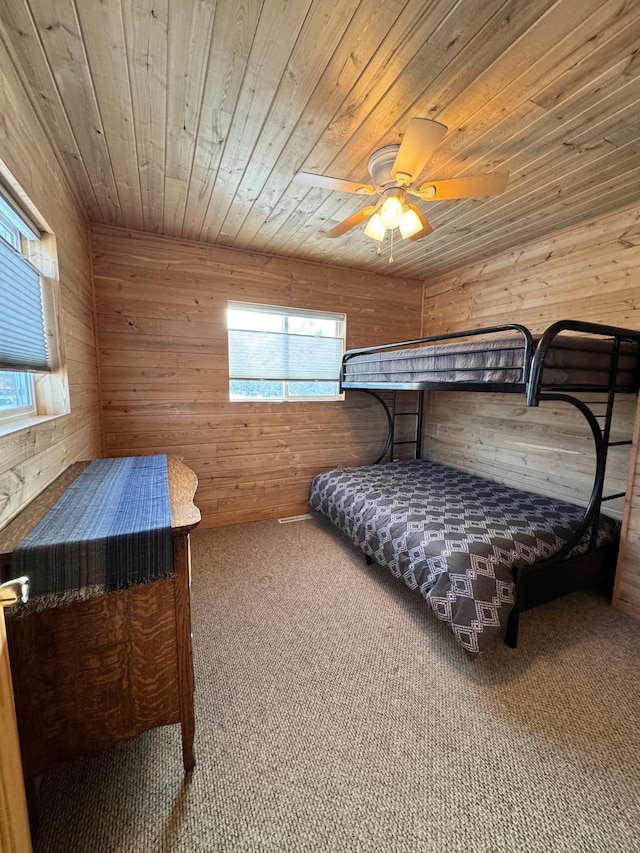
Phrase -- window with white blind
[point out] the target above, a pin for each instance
(25, 357)
(284, 353)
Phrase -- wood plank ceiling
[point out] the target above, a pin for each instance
(190, 117)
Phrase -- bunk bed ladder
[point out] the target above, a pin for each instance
(600, 425)
(607, 416)
(416, 441)
(601, 429)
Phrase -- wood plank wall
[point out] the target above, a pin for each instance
(30, 459)
(591, 273)
(161, 306)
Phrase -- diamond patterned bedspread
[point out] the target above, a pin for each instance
(452, 535)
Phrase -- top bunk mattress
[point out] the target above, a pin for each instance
(572, 361)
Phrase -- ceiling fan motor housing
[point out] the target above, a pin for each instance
(380, 165)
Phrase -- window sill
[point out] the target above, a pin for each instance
(10, 426)
(290, 400)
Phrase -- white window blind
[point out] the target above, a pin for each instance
(286, 354)
(23, 342)
(301, 345)
(283, 356)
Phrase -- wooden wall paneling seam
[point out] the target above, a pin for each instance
(184, 314)
(566, 217)
(119, 421)
(102, 28)
(545, 58)
(542, 171)
(194, 441)
(233, 34)
(189, 40)
(25, 481)
(614, 40)
(366, 36)
(590, 152)
(96, 339)
(501, 277)
(35, 76)
(576, 242)
(234, 264)
(145, 25)
(20, 447)
(253, 275)
(83, 316)
(297, 85)
(78, 339)
(63, 44)
(569, 257)
(276, 34)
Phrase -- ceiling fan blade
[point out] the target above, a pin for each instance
(426, 228)
(347, 224)
(473, 187)
(420, 141)
(327, 183)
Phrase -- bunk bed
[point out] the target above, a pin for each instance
(480, 552)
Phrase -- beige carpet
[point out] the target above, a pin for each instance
(335, 713)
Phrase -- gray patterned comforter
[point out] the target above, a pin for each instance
(452, 535)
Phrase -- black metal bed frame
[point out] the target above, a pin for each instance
(541, 581)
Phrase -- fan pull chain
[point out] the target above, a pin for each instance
(391, 255)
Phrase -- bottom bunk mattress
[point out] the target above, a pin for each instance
(451, 535)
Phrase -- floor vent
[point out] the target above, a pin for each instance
(291, 518)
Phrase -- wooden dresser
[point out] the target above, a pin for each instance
(91, 674)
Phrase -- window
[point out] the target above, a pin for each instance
(30, 382)
(17, 397)
(284, 353)
(16, 389)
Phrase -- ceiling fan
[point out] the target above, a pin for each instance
(395, 170)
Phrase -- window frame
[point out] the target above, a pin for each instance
(50, 389)
(287, 312)
(19, 413)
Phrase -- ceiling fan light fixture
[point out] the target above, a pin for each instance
(375, 229)
(391, 212)
(410, 223)
(394, 171)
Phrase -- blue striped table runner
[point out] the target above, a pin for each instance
(110, 529)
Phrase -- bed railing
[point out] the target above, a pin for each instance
(537, 392)
(532, 366)
(448, 337)
(532, 384)
(615, 333)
